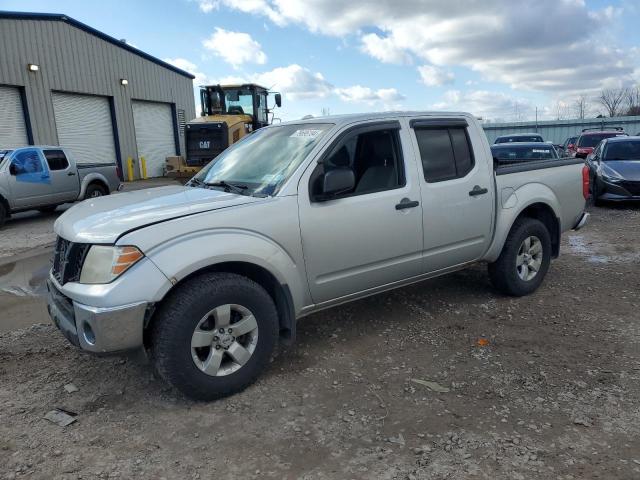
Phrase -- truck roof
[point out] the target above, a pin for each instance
(357, 117)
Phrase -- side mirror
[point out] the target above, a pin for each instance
(338, 181)
(278, 99)
(13, 170)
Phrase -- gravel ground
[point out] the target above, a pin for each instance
(27, 230)
(443, 379)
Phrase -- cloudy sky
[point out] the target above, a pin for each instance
(499, 59)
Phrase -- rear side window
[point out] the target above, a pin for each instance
(56, 159)
(445, 152)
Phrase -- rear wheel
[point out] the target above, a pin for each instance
(214, 335)
(525, 258)
(3, 213)
(94, 191)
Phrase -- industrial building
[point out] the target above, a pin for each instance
(65, 83)
(557, 131)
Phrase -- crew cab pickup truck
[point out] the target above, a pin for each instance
(44, 177)
(293, 219)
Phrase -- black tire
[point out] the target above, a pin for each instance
(94, 190)
(48, 209)
(178, 316)
(3, 213)
(504, 273)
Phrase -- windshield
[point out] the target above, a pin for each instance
(261, 162)
(239, 101)
(523, 152)
(622, 151)
(519, 138)
(594, 139)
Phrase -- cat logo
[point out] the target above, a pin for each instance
(205, 144)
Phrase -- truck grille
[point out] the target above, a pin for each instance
(67, 260)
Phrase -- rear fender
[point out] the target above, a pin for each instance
(511, 204)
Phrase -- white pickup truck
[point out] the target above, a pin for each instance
(293, 219)
(41, 178)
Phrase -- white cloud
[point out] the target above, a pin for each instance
(488, 105)
(548, 45)
(384, 49)
(190, 67)
(434, 76)
(360, 94)
(207, 5)
(295, 82)
(236, 48)
(261, 7)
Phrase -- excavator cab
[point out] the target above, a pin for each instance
(227, 113)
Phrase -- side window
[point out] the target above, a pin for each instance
(445, 152)
(26, 161)
(374, 157)
(56, 159)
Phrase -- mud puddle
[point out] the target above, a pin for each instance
(23, 289)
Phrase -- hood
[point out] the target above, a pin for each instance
(627, 169)
(104, 219)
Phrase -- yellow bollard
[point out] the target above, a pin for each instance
(130, 169)
(143, 168)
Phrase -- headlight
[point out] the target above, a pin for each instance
(610, 175)
(103, 264)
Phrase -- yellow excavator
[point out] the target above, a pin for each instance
(227, 113)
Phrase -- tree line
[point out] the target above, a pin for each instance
(609, 102)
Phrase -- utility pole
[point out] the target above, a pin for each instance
(536, 119)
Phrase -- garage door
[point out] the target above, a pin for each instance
(154, 134)
(13, 132)
(84, 127)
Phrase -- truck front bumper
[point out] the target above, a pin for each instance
(96, 329)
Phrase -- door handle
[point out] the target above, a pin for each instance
(406, 203)
(478, 190)
(71, 174)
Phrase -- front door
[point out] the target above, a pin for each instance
(29, 179)
(457, 192)
(370, 235)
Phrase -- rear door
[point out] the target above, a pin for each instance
(371, 235)
(456, 178)
(64, 178)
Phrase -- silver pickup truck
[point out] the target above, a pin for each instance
(293, 219)
(42, 178)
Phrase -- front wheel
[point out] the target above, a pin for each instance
(214, 335)
(525, 258)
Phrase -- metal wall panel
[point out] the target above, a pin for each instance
(84, 127)
(557, 131)
(154, 134)
(13, 130)
(75, 61)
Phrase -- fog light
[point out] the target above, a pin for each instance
(89, 336)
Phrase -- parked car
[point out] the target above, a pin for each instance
(42, 178)
(615, 169)
(295, 218)
(569, 146)
(519, 137)
(509, 153)
(590, 137)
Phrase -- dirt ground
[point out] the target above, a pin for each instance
(554, 393)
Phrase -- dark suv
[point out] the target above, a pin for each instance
(591, 137)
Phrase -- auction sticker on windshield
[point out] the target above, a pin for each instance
(306, 133)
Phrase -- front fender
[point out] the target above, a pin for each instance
(186, 254)
(511, 203)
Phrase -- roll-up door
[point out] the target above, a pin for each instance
(13, 131)
(155, 138)
(84, 127)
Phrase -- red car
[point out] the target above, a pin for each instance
(591, 137)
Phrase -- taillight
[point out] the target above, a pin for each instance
(585, 182)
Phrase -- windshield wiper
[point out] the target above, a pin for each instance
(195, 181)
(238, 188)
